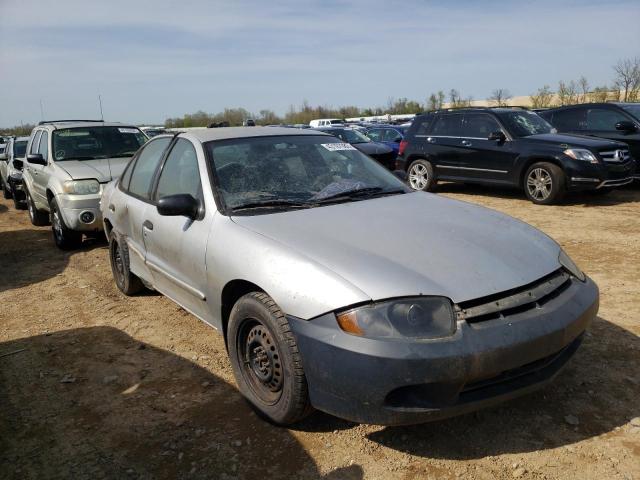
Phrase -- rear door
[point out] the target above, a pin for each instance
(601, 121)
(129, 208)
(176, 245)
(443, 146)
(486, 160)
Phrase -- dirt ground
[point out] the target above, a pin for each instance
(97, 385)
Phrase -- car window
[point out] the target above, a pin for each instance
(19, 148)
(95, 142)
(604, 119)
(180, 172)
(44, 145)
(479, 125)
(448, 126)
(35, 143)
(572, 119)
(145, 167)
(375, 135)
(390, 135)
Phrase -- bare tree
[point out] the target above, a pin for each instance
(436, 101)
(627, 80)
(542, 98)
(567, 93)
(500, 97)
(600, 94)
(456, 100)
(583, 83)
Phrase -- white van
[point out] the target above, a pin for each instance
(325, 122)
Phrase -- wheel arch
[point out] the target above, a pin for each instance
(231, 293)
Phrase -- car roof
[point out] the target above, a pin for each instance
(224, 133)
(82, 123)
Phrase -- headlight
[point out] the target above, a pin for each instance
(569, 264)
(420, 317)
(81, 187)
(581, 154)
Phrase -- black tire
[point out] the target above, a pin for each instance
(65, 238)
(6, 190)
(37, 217)
(19, 204)
(265, 359)
(544, 183)
(126, 281)
(420, 175)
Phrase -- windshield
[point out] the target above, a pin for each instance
(633, 109)
(523, 123)
(90, 143)
(295, 172)
(349, 136)
(336, 122)
(19, 148)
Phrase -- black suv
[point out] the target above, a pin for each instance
(615, 121)
(509, 146)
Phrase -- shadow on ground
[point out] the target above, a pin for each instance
(30, 256)
(95, 403)
(622, 195)
(600, 387)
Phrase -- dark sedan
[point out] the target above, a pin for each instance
(378, 151)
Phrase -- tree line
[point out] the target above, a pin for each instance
(624, 87)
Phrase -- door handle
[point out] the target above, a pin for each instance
(466, 143)
(148, 225)
(431, 140)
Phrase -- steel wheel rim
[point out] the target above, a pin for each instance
(418, 176)
(118, 264)
(260, 361)
(30, 206)
(539, 184)
(56, 225)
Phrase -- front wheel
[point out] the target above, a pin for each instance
(265, 359)
(37, 217)
(64, 238)
(127, 282)
(421, 176)
(544, 183)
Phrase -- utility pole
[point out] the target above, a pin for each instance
(100, 101)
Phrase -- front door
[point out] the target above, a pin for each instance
(176, 245)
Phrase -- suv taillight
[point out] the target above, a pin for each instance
(403, 145)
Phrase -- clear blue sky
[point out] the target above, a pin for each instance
(159, 58)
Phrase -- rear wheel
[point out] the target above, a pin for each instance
(65, 238)
(266, 361)
(421, 175)
(37, 217)
(544, 183)
(6, 189)
(127, 282)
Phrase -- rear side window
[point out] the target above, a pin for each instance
(145, 167)
(604, 119)
(390, 135)
(44, 145)
(375, 135)
(573, 119)
(448, 126)
(36, 142)
(180, 173)
(479, 125)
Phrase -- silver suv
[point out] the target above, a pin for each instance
(336, 286)
(68, 162)
(11, 164)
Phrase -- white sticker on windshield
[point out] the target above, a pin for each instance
(128, 130)
(338, 147)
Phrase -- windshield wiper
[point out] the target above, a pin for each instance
(77, 158)
(271, 203)
(122, 154)
(368, 192)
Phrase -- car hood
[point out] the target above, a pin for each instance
(373, 148)
(103, 169)
(415, 244)
(575, 141)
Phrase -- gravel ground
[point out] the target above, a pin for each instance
(97, 385)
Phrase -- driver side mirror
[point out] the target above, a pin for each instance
(498, 136)
(36, 159)
(181, 204)
(626, 126)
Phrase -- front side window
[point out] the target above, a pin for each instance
(569, 120)
(604, 119)
(480, 125)
(448, 126)
(180, 173)
(294, 171)
(375, 135)
(145, 167)
(91, 143)
(522, 123)
(633, 109)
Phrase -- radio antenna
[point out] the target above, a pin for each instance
(41, 111)
(100, 101)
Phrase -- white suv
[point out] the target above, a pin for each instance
(67, 164)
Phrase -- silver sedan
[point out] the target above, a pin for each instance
(335, 285)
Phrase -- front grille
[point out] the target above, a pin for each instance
(615, 156)
(518, 300)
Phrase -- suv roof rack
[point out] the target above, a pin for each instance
(490, 107)
(46, 122)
